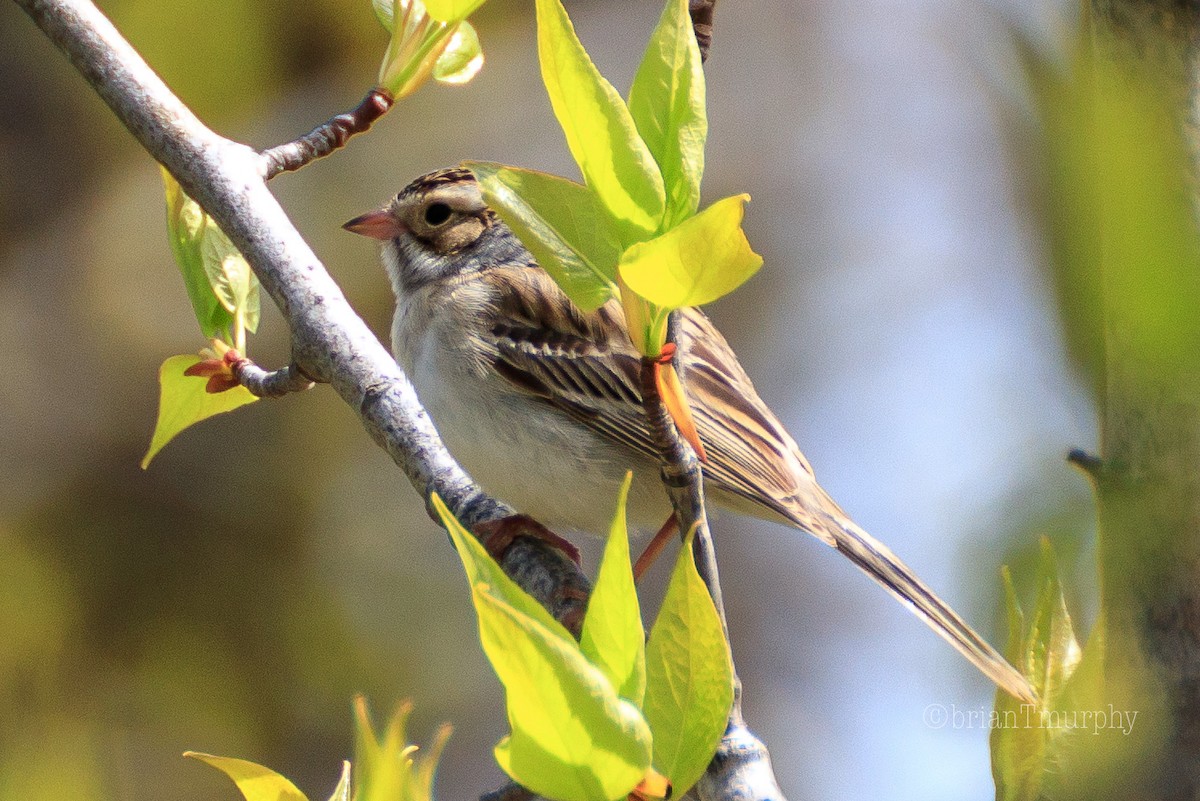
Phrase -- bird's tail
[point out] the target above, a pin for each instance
(877, 561)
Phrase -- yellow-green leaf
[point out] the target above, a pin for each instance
(613, 638)
(600, 132)
(481, 568)
(421, 47)
(187, 227)
(386, 766)
(561, 223)
(256, 782)
(230, 276)
(1026, 753)
(667, 104)
(451, 10)
(1017, 751)
(463, 57)
(703, 258)
(219, 282)
(572, 738)
(342, 791)
(689, 677)
(183, 402)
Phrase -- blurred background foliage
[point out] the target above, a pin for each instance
(269, 565)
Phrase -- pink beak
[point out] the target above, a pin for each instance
(380, 224)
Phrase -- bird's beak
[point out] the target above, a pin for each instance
(381, 224)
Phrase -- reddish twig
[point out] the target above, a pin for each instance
(326, 137)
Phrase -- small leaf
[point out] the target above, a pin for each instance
(667, 105)
(1025, 750)
(342, 791)
(187, 225)
(184, 402)
(388, 768)
(256, 782)
(1018, 750)
(600, 132)
(613, 638)
(416, 45)
(703, 258)
(1052, 652)
(229, 274)
(572, 738)
(646, 323)
(451, 10)
(689, 677)
(385, 13)
(219, 281)
(561, 223)
(463, 57)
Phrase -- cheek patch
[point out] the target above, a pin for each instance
(460, 235)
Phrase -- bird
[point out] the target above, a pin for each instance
(540, 401)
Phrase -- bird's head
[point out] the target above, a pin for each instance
(436, 227)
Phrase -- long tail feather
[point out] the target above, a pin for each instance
(877, 561)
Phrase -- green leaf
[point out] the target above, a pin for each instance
(232, 281)
(187, 227)
(451, 10)
(387, 767)
(385, 13)
(1120, 215)
(561, 223)
(702, 259)
(420, 48)
(342, 791)
(1026, 753)
(572, 738)
(463, 57)
(613, 638)
(447, 11)
(183, 402)
(256, 782)
(689, 677)
(667, 105)
(1018, 750)
(600, 132)
(481, 568)
(1052, 652)
(220, 283)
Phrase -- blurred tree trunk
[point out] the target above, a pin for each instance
(1149, 485)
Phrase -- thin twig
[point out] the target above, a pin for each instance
(326, 137)
(270, 384)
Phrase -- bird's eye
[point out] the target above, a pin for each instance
(437, 213)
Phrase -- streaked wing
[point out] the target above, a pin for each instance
(584, 364)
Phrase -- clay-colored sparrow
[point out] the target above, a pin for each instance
(540, 402)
